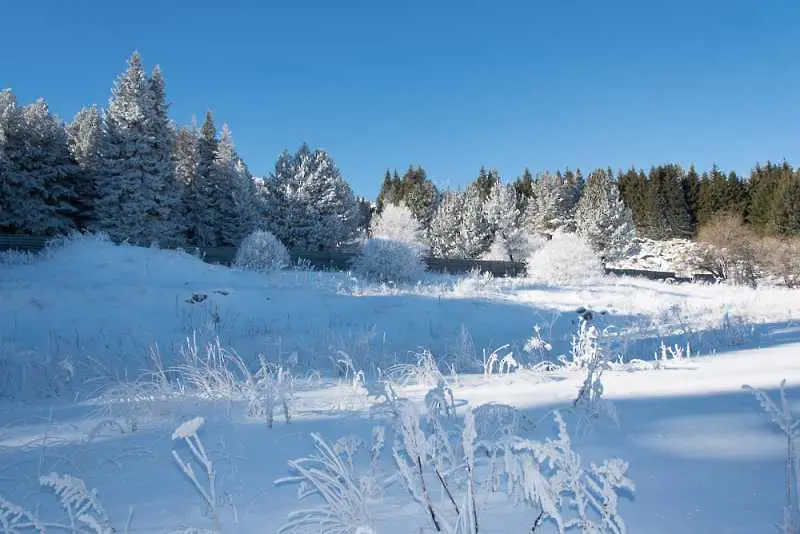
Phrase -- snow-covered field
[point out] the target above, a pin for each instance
(90, 335)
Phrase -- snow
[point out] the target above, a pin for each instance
(702, 455)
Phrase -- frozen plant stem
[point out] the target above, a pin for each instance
(781, 416)
(188, 433)
(425, 495)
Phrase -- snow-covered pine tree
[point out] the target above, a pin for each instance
(38, 175)
(475, 234)
(137, 191)
(84, 135)
(602, 218)
(444, 234)
(505, 222)
(555, 200)
(311, 206)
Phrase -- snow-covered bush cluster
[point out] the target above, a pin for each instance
(262, 252)
(565, 259)
(386, 260)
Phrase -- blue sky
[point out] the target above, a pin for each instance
(451, 85)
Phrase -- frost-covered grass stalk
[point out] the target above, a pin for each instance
(780, 415)
(329, 476)
(589, 354)
(495, 364)
(214, 372)
(188, 433)
(424, 372)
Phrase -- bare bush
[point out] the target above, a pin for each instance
(729, 250)
(781, 258)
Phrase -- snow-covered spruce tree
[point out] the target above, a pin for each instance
(444, 234)
(138, 194)
(311, 206)
(8, 104)
(510, 241)
(602, 218)
(201, 200)
(475, 234)
(84, 135)
(397, 223)
(9, 118)
(186, 161)
(234, 194)
(365, 210)
(554, 202)
(38, 176)
(220, 197)
(163, 134)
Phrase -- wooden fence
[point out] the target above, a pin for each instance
(342, 260)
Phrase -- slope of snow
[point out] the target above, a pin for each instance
(703, 457)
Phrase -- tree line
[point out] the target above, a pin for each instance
(131, 172)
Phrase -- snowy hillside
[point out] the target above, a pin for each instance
(93, 339)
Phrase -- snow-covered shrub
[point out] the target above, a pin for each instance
(565, 259)
(261, 252)
(397, 223)
(385, 260)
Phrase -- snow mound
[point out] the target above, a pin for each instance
(95, 260)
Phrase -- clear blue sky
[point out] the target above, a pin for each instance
(451, 85)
